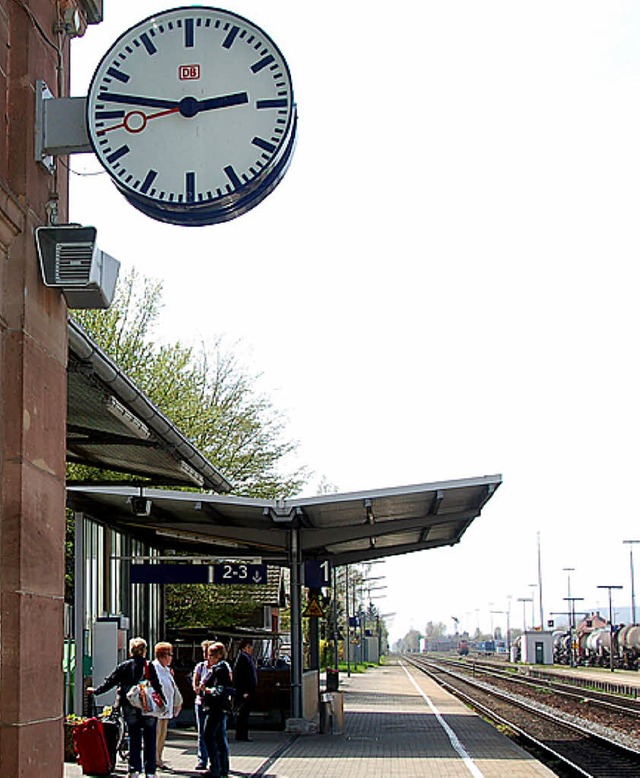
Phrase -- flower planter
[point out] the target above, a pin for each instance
(69, 750)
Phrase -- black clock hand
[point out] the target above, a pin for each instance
(188, 106)
(224, 101)
(151, 102)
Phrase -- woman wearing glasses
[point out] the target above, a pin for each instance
(216, 694)
(162, 663)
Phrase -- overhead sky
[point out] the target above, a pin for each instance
(444, 285)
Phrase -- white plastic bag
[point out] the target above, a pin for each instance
(143, 696)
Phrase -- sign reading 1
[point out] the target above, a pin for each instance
(317, 574)
(239, 573)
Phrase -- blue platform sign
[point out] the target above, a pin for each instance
(239, 573)
(317, 574)
(169, 574)
(227, 573)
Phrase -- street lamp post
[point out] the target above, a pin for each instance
(347, 626)
(371, 598)
(367, 582)
(524, 601)
(633, 589)
(568, 571)
(533, 587)
(606, 586)
(540, 584)
(572, 623)
(507, 614)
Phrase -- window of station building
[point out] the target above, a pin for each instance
(108, 589)
(146, 600)
(119, 600)
(94, 572)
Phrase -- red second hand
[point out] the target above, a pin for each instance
(145, 118)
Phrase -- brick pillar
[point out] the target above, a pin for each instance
(33, 402)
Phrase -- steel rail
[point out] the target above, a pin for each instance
(606, 700)
(588, 737)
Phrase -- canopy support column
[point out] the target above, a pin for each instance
(295, 562)
(79, 614)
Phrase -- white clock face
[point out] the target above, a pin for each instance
(191, 110)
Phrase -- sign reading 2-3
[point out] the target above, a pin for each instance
(191, 112)
(239, 573)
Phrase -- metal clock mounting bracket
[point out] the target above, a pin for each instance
(61, 126)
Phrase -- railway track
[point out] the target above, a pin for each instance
(558, 738)
(615, 703)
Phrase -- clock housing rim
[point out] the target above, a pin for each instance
(228, 206)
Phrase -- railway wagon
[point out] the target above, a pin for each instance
(628, 644)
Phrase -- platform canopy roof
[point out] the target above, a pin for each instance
(112, 425)
(344, 528)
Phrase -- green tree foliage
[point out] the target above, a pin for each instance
(213, 400)
(197, 605)
(409, 643)
(435, 629)
(206, 392)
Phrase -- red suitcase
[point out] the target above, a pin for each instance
(92, 749)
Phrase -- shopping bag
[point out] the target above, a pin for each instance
(143, 696)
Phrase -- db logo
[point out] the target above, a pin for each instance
(188, 72)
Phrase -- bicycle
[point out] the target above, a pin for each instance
(122, 741)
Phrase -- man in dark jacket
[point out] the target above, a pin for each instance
(245, 680)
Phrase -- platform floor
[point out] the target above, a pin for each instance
(602, 674)
(397, 723)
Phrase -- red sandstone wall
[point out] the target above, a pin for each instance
(33, 398)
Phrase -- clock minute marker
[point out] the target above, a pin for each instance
(227, 43)
(263, 144)
(118, 74)
(148, 43)
(261, 64)
(233, 176)
(102, 115)
(148, 180)
(190, 186)
(189, 40)
(118, 153)
(277, 103)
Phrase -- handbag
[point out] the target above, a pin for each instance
(218, 698)
(143, 696)
(177, 698)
